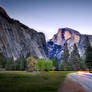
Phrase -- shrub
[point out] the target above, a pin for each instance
(43, 65)
(31, 61)
(48, 65)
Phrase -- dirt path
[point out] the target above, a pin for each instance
(71, 86)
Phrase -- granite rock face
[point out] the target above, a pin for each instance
(56, 44)
(17, 40)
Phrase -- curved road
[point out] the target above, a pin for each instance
(85, 80)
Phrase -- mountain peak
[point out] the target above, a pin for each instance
(66, 34)
(2, 9)
(68, 29)
(3, 13)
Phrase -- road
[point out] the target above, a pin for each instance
(85, 80)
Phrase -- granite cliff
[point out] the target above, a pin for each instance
(18, 40)
(56, 44)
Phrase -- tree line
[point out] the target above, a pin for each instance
(29, 64)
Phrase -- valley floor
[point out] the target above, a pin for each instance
(22, 81)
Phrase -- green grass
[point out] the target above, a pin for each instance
(22, 81)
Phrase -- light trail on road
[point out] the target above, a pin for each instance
(84, 79)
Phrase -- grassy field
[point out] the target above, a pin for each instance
(22, 81)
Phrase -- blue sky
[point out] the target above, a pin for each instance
(49, 15)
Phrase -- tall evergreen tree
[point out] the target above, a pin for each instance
(86, 44)
(20, 64)
(56, 63)
(75, 58)
(88, 53)
(2, 61)
(65, 56)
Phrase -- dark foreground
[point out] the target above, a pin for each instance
(22, 81)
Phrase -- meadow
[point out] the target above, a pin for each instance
(22, 81)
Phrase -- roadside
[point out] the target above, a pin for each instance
(71, 86)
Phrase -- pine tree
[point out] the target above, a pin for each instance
(65, 56)
(86, 44)
(88, 53)
(2, 61)
(75, 58)
(56, 63)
